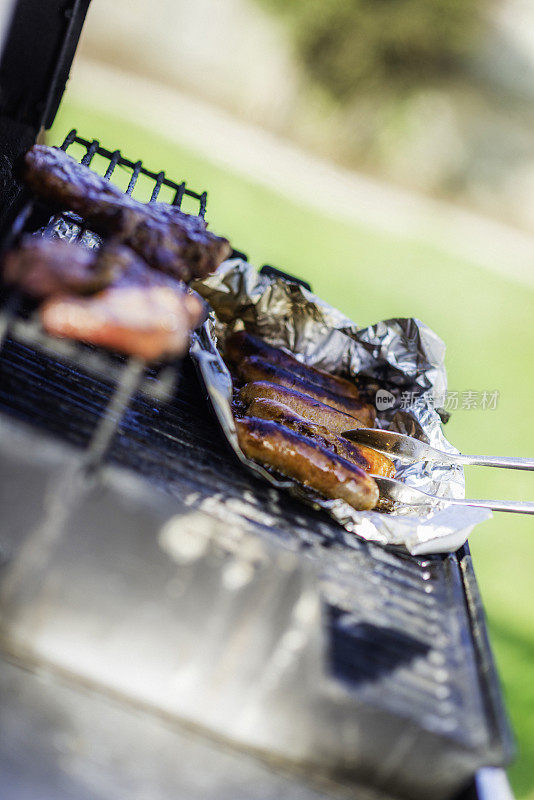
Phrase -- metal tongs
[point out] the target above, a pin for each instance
(408, 450)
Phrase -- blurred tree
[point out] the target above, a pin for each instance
(352, 45)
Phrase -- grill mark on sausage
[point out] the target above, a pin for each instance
(254, 368)
(302, 404)
(302, 459)
(361, 456)
(242, 344)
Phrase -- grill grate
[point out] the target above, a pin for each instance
(20, 324)
(115, 159)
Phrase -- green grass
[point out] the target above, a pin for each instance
(485, 320)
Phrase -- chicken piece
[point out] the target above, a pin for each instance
(142, 313)
(168, 239)
(42, 267)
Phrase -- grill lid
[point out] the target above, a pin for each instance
(35, 60)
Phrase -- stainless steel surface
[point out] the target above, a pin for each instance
(408, 450)
(6, 11)
(175, 602)
(492, 784)
(65, 741)
(398, 492)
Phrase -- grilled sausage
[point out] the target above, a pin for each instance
(361, 456)
(241, 344)
(255, 368)
(306, 406)
(301, 458)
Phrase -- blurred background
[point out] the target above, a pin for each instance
(385, 153)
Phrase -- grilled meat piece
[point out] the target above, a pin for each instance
(142, 313)
(146, 322)
(364, 457)
(43, 267)
(254, 368)
(302, 459)
(241, 344)
(302, 404)
(168, 239)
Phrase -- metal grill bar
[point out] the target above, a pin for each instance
(159, 180)
(128, 383)
(70, 137)
(91, 150)
(178, 197)
(135, 174)
(16, 230)
(114, 160)
(180, 189)
(8, 314)
(86, 358)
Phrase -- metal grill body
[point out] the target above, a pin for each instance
(405, 637)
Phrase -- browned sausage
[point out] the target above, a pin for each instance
(302, 459)
(241, 344)
(255, 368)
(361, 456)
(304, 405)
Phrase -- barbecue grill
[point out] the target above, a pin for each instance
(159, 601)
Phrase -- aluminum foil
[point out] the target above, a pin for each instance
(403, 355)
(67, 228)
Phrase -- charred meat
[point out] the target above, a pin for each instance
(168, 239)
(43, 267)
(361, 456)
(254, 368)
(136, 311)
(307, 407)
(289, 417)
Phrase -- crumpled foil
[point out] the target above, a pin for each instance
(67, 228)
(403, 355)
